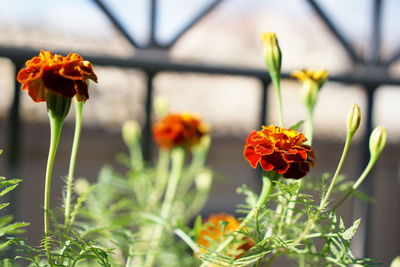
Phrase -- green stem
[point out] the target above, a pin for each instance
(72, 163)
(308, 132)
(262, 199)
(324, 201)
(55, 133)
(311, 222)
(178, 159)
(161, 178)
(309, 125)
(276, 81)
(362, 177)
(136, 155)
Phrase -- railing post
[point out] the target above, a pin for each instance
(148, 116)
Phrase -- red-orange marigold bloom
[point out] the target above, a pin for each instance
(63, 75)
(280, 150)
(212, 230)
(178, 130)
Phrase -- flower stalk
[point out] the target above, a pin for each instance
(262, 200)
(178, 160)
(72, 163)
(55, 128)
(376, 146)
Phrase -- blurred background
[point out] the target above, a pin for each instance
(205, 56)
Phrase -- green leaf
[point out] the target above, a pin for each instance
(8, 189)
(3, 205)
(363, 196)
(296, 126)
(349, 233)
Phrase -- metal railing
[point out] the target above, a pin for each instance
(369, 71)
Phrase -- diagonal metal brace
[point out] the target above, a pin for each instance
(115, 22)
(335, 31)
(194, 21)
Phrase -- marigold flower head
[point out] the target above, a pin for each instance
(175, 130)
(216, 228)
(280, 150)
(66, 76)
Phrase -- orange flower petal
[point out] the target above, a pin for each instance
(64, 75)
(280, 150)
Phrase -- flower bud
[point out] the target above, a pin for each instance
(395, 262)
(272, 52)
(377, 142)
(353, 119)
(81, 186)
(131, 132)
(203, 180)
(161, 106)
(312, 81)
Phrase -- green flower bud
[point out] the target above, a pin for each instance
(161, 106)
(203, 180)
(395, 262)
(272, 52)
(377, 142)
(131, 132)
(81, 186)
(353, 119)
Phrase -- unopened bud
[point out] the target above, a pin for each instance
(395, 262)
(272, 52)
(377, 141)
(353, 119)
(161, 106)
(130, 132)
(81, 185)
(203, 180)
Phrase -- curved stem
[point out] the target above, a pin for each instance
(178, 159)
(362, 177)
(324, 201)
(55, 129)
(262, 199)
(72, 163)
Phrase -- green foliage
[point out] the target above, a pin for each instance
(8, 229)
(128, 211)
(311, 238)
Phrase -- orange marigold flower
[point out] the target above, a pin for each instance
(66, 76)
(179, 130)
(213, 230)
(280, 150)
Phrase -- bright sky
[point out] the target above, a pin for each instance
(81, 16)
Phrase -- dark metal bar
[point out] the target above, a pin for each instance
(362, 209)
(194, 21)
(264, 101)
(13, 149)
(147, 136)
(153, 23)
(115, 22)
(335, 31)
(376, 33)
(366, 79)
